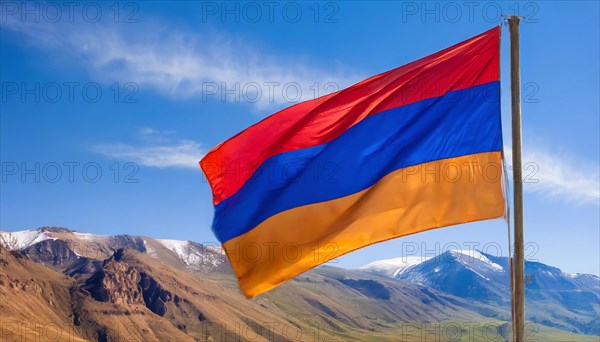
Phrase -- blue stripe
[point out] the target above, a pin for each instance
(459, 123)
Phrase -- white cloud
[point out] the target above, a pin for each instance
(181, 64)
(156, 148)
(183, 154)
(558, 176)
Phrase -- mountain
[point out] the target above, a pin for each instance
(58, 284)
(66, 249)
(554, 298)
(467, 274)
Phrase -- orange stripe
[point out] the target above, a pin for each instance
(410, 200)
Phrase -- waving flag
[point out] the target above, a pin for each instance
(405, 151)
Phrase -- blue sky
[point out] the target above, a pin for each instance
(106, 108)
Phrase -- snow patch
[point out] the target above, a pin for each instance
(89, 237)
(479, 274)
(393, 267)
(15, 241)
(469, 255)
(194, 256)
(176, 246)
(149, 250)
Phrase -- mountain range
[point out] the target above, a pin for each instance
(58, 284)
(553, 298)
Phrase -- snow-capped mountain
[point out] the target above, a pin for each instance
(481, 277)
(397, 266)
(465, 273)
(65, 248)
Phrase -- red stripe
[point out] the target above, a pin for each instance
(470, 63)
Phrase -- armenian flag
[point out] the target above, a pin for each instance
(415, 148)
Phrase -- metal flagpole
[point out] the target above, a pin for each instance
(519, 252)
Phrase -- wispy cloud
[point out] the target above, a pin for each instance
(155, 135)
(162, 151)
(559, 175)
(184, 64)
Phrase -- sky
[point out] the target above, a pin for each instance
(107, 107)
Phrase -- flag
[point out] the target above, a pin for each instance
(409, 150)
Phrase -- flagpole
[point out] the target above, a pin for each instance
(519, 251)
